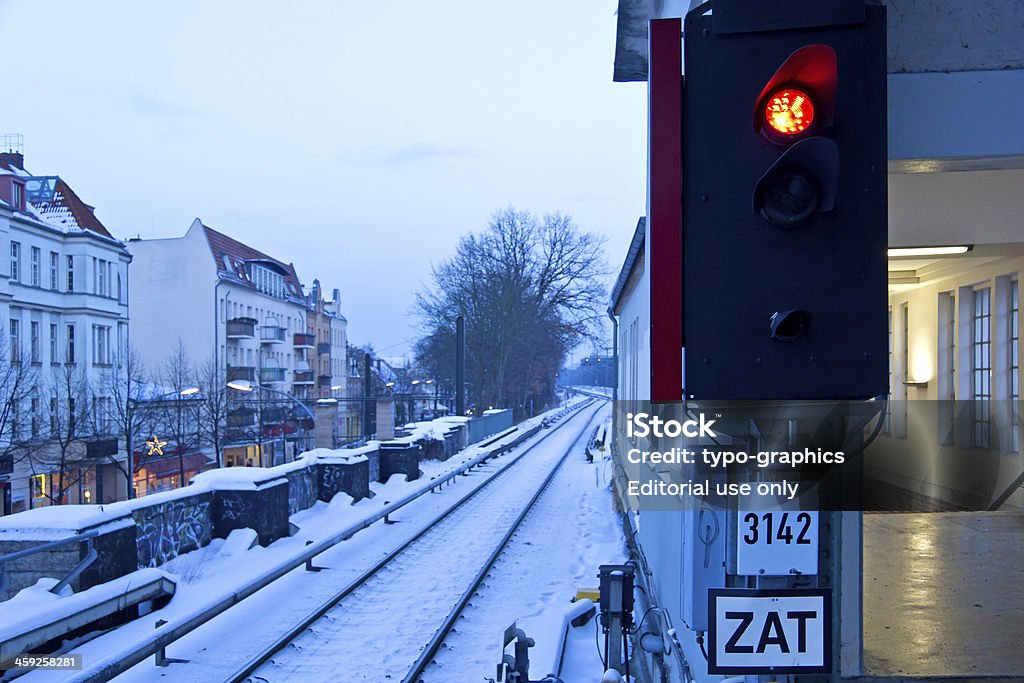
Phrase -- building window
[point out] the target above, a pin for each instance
(18, 196)
(54, 270)
(71, 273)
(981, 367)
(70, 357)
(35, 417)
(100, 283)
(34, 340)
(37, 490)
(35, 266)
(53, 343)
(947, 367)
(121, 351)
(15, 262)
(100, 345)
(1014, 323)
(15, 339)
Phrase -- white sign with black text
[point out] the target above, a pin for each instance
(776, 542)
(769, 631)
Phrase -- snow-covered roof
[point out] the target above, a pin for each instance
(231, 258)
(50, 199)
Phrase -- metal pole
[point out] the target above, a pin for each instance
(130, 459)
(460, 366)
(367, 391)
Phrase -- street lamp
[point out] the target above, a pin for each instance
(247, 387)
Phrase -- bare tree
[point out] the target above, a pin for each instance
(178, 415)
(62, 453)
(213, 408)
(127, 389)
(530, 290)
(18, 386)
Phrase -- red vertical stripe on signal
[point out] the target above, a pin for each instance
(665, 215)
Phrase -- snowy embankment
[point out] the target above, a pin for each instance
(571, 531)
(212, 576)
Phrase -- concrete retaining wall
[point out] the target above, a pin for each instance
(151, 531)
(491, 422)
(400, 458)
(351, 477)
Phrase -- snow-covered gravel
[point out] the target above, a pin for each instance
(378, 631)
(570, 532)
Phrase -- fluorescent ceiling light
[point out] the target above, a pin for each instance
(928, 251)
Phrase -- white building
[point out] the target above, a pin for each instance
(64, 303)
(232, 304)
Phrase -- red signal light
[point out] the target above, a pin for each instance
(789, 112)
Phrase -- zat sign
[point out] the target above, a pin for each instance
(769, 631)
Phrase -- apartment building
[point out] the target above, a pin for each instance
(227, 303)
(64, 306)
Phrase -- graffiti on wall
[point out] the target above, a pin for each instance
(349, 477)
(236, 507)
(167, 530)
(301, 490)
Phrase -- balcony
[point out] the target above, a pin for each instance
(302, 377)
(241, 328)
(323, 381)
(241, 418)
(272, 335)
(241, 373)
(323, 347)
(301, 340)
(271, 375)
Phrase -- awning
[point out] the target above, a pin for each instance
(168, 465)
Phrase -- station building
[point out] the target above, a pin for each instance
(956, 254)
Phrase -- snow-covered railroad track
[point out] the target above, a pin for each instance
(387, 624)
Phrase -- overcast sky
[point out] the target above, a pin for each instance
(356, 140)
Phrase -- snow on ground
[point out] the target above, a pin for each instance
(571, 531)
(209, 574)
(379, 630)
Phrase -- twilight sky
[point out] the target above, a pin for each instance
(356, 140)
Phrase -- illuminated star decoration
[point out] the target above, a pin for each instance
(156, 446)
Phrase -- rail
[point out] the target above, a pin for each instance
(264, 655)
(428, 653)
(169, 632)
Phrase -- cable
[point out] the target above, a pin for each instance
(700, 641)
(636, 629)
(597, 642)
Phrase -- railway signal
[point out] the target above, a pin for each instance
(784, 201)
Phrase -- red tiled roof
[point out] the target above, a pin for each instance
(221, 245)
(66, 210)
(66, 202)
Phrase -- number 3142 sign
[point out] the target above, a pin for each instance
(776, 543)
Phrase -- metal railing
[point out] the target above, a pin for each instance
(89, 558)
(272, 334)
(240, 327)
(302, 340)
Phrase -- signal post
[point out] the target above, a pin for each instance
(770, 275)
